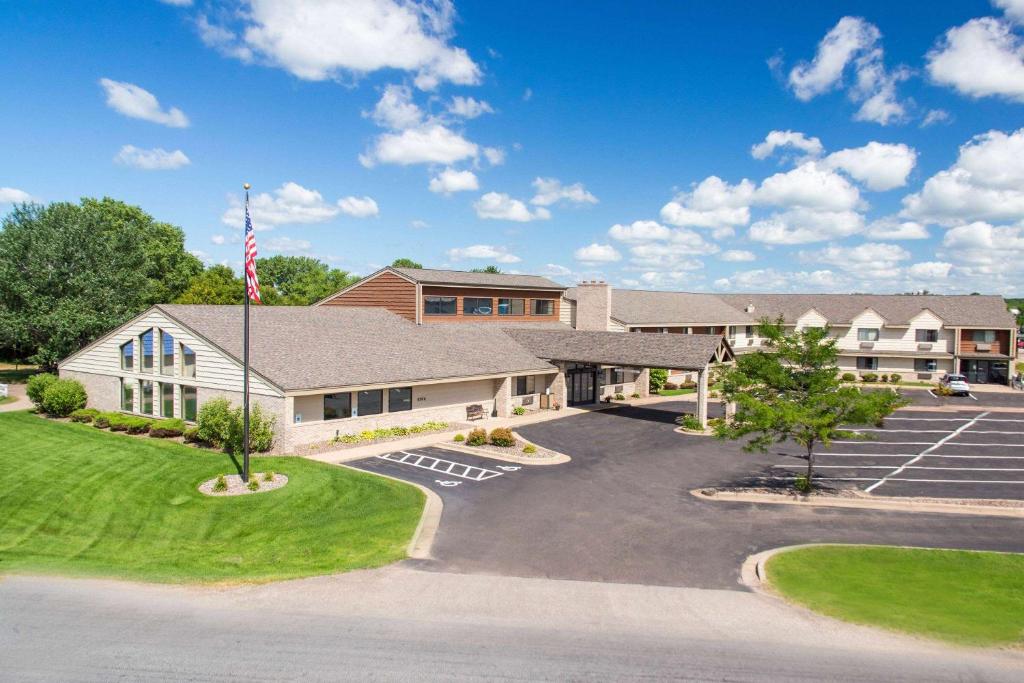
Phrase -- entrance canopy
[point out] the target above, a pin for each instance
(692, 352)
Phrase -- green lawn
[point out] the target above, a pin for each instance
(6, 399)
(81, 501)
(16, 374)
(676, 392)
(972, 598)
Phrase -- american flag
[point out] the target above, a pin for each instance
(252, 283)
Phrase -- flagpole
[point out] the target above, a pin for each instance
(245, 363)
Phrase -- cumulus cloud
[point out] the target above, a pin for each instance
(597, 253)
(712, 203)
(156, 159)
(891, 228)
(673, 279)
(495, 155)
(811, 185)
(11, 195)
(483, 251)
(395, 108)
(500, 206)
(319, 41)
(551, 191)
(138, 103)
(449, 180)
(879, 166)
(981, 58)
(802, 226)
(468, 107)
(935, 116)
(639, 231)
(218, 239)
(737, 255)
(787, 139)
(428, 144)
(286, 245)
(290, 204)
(867, 260)
(985, 257)
(929, 270)
(358, 207)
(770, 279)
(1013, 9)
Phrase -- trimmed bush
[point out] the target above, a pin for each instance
(261, 430)
(620, 397)
(869, 377)
(519, 410)
(477, 437)
(670, 386)
(460, 437)
(165, 429)
(254, 484)
(36, 387)
(118, 422)
(502, 436)
(689, 422)
(268, 476)
(895, 378)
(102, 420)
(634, 395)
(943, 390)
(529, 449)
(658, 377)
(214, 422)
(84, 415)
(221, 485)
(191, 435)
(885, 378)
(63, 397)
(137, 425)
(849, 377)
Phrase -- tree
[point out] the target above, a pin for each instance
(487, 269)
(215, 285)
(70, 272)
(405, 263)
(793, 392)
(300, 280)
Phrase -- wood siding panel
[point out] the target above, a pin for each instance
(1001, 345)
(386, 290)
(462, 292)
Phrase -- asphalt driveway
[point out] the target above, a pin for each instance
(622, 511)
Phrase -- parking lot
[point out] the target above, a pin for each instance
(964, 454)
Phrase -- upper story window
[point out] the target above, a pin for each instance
(166, 354)
(472, 305)
(128, 356)
(188, 361)
(927, 336)
(543, 307)
(511, 306)
(867, 334)
(983, 336)
(439, 305)
(146, 341)
(749, 331)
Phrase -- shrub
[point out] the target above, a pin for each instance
(502, 436)
(214, 422)
(118, 422)
(658, 377)
(460, 437)
(869, 377)
(165, 429)
(36, 387)
(254, 484)
(849, 377)
(670, 386)
(261, 430)
(634, 395)
(221, 484)
(137, 425)
(268, 476)
(519, 410)
(102, 420)
(84, 414)
(688, 384)
(477, 437)
(529, 449)
(943, 390)
(191, 435)
(689, 422)
(885, 378)
(63, 396)
(620, 397)
(895, 378)
(802, 483)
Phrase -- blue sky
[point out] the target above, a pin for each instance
(622, 141)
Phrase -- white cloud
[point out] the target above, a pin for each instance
(801, 226)
(555, 270)
(737, 255)
(639, 231)
(177, 3)
(285, 245)
(468, 107)
(891, 228)
(222, 40)
(551, 191)
(985, 183)
(597, 253)
(979, 59)
(218, 239)
(673, 279)
(318, 41)
(11, 195)
(985, 257)
(769, 279)
(935, 116)
(1014, 9)
(449, 180)
(156, 159)
(867, 260)
(713, 203)
(419, 224)
(290, 204)
(673, 255)
(810, 185)
(930, 270)
(500, 206)
(395, 109)
(779, 139)
(138, 103)
(495, 155)
(429, 144)
(879, 166)
(359, 207)
(483, 251)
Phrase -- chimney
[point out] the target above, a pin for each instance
(593, 305)
(749, 308)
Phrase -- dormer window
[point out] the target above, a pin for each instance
(867, 334)
(128, 356)
(927, 336)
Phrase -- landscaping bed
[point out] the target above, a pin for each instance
(373, 436)
(232, 484)
(501, 442)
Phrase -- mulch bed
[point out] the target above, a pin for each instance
(236, 487)
(517, 450)
(330, 445)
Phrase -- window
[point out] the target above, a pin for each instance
(127, 395)
(926, 365)
(189, 403)
(128, 356)
(166, 400)
(616, 375)
(399, 399)
(526, 385)
(927, 336)
(511, 306)
(166, 354)
(337, 406)
(146, 341)
(371, 402)
(867, 334)
(867, 363)
(543, 307)
(749, 331)
(188, 361)
(472, 305)
(146, 395)
(983, 336)
(732, 331)
(439, 305)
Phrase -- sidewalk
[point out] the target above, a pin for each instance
(20, 402)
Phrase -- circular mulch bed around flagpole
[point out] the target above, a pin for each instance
(236, 487)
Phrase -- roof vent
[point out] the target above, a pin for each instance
(749, 308)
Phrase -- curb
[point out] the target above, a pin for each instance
(557, 459)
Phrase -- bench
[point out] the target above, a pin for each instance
(475, 412)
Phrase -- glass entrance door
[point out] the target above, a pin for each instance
(581, 382)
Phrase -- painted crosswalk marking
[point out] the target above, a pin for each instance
(446, 467)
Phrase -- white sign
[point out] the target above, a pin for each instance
(3, 390)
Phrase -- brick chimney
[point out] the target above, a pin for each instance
(593, 305)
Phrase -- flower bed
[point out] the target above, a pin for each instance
(371, 436)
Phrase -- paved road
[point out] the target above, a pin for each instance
(398, 624)
(621, 511)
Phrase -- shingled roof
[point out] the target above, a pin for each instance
(430, 276)
(644, 307)
(301, 347)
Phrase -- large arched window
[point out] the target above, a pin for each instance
(128, 356)
(166, 353)
(146, 342)
(188, 361)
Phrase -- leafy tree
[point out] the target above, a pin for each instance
(658, 377)
(405, 263)
(487, 269)
(1019, 305)
(793, 392)
(300, 280)
(70, 272)
(215, 285)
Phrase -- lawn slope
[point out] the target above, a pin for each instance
(81, 501)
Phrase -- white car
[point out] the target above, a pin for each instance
(957, 384)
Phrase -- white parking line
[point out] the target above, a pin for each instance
(967, 469)
(988, 431)
(936, 419)
(999, 419)
(951, 435)
(986, 445)
(958, 481)
(866, 455)
(978, 457)
(912, 431)
(891, 443)
(449, 467)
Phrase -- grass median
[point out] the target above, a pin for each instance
(965, 597)
(76, 500)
